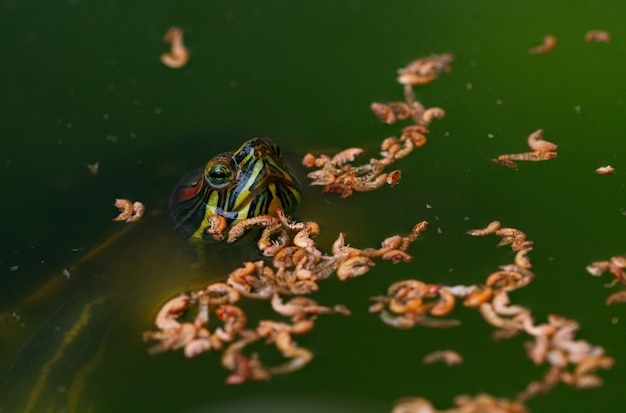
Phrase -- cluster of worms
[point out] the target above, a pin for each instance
(542, 150)
(550, 41)
(178, 56)
(481, 403)
(413, 302)
(422, 71)
(296, 268)
(129, 211)
(570, 361)
(337, 175)
(214, 319)
(227, 330)
(615, 266)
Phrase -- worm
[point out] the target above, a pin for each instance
(605, 170)
(549, 43)
(597, 36)
(178, 56)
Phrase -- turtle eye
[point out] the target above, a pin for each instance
(219, 175)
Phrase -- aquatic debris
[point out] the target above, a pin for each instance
(129, 211)
(615, 266)
(217, 225)
(489, 229)
(508, 160)
(542, 151)
(537, 143)
(449, 357)
(411, 302)
(618, 297)
(599, 36)
(93, 168)
(296, 268)
(432, 113)
(570, 361)
(178, 56)
(391, 112)
(423, 71)
(605, 170)
(463, 404)
(338, 175)
(549, 43)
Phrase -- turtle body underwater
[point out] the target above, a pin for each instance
(76, 330)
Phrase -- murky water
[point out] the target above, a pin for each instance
(83, 84)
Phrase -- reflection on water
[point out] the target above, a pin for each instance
(104, 304)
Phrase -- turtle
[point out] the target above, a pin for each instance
(66, 344)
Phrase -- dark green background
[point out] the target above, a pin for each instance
(75, 73)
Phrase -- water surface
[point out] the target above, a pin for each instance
(83, 83)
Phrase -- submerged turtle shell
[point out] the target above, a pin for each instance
(249, 181)
(76, 324)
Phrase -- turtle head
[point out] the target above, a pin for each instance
(249, 181)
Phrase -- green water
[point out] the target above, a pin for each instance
(83, 83)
